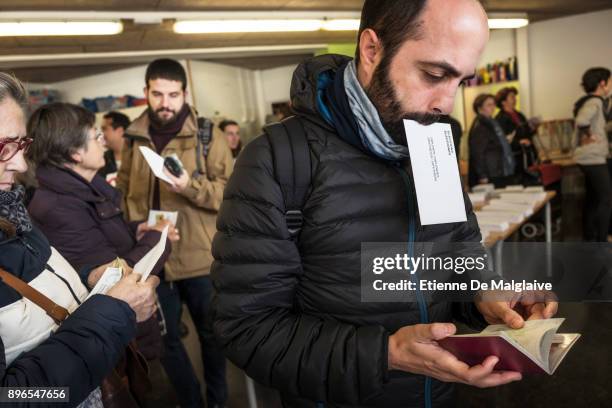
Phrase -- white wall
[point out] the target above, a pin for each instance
(276, 83)
(501, 46)
(116, 83)
(560, 51)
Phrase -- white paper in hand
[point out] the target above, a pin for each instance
(147, 262)
(436, 173)
(156, 163)
(155, 216)
(108, 279)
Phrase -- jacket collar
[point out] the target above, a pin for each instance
(64, 181)
(140, 126)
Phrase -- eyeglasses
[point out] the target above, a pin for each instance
(99, 136)
(10, 147)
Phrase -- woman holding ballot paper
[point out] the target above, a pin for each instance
(79, 212)
(38, 289)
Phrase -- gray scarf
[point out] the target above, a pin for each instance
(372, 133)
(13, 209)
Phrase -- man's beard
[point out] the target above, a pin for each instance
(160, 121)
(383, 96)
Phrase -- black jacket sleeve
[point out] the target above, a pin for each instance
(469, 233)
(256, 274)
(79, 355)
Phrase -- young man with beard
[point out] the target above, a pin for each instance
(170, 126)
(290, 313)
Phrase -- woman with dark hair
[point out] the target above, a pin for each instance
(78, 211)
(591, 154)
(491, 158)
(510, 119)
(34, 351)
(514, 122)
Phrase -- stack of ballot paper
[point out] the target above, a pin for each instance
(478, 198)
(526, 198)
(513, 216)
(498, 204)
(483, 188)
(492, 223)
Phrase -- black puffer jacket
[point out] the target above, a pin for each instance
(292, 316)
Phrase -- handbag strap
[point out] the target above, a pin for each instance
(55, 311)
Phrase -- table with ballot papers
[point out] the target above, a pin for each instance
(502, 212)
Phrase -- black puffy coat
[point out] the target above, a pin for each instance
(291, 316)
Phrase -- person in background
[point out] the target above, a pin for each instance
(515, 123)
(170, 126)
(593, 151)
(511, 119)
(34, 352)
(78, 211)
(231, 129)
(491, 157)
(114, 125)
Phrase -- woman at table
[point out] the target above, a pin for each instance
(78, 211)
(491, 158)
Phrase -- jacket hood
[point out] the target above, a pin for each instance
(304, 85)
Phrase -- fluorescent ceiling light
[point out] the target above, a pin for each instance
(245, 26)
(501, 23)
(58, 28)
(342, 24)
(297, 25)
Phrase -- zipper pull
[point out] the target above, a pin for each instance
(29, 247)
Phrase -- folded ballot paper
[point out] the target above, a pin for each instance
(536, 348)
(114, 273)
(156, 163)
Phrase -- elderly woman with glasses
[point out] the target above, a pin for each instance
(78, 211)
(36, 284)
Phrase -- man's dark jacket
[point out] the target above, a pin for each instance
(292, 316)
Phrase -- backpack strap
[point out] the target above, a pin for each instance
(205, 131)
(292, 168)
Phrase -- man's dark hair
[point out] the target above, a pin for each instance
(393, 21)
(226, 123)
(58, 130)
(480, 100)
(503, 94)
(166, 68)
(592, 77)
(118, 119)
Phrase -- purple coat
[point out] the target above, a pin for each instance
(84, 222)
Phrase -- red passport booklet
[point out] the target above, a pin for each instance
(536, 348)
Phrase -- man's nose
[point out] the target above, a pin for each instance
(444, 100)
